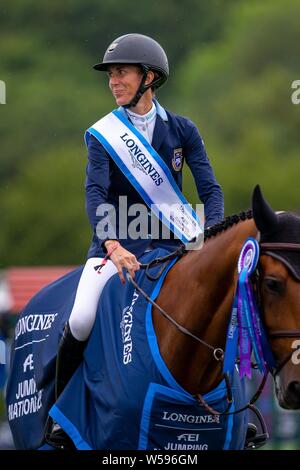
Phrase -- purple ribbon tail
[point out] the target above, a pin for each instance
(244, 342)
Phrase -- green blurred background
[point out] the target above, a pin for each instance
(232, 65)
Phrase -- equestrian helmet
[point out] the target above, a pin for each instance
(137, 49)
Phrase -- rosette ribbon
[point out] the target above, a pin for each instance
(246, 334)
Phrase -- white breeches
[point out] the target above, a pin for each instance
(89, 289)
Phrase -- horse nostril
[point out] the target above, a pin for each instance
(294, 389)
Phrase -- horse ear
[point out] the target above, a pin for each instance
(264, 217)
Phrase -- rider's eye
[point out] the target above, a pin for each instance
(274, 285)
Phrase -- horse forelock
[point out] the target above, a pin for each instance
(287, 231)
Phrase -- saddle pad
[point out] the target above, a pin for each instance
(123, 397)
(30, 386)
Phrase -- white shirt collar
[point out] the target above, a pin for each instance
(160, 111)
(148, 117)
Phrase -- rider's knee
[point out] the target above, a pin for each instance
(80, 327)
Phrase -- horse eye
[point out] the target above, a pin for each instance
(274, 285)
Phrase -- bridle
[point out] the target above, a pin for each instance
(269, 249)
(218, 353)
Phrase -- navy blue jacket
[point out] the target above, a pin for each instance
(105, 182)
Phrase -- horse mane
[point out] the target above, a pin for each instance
(229, 221)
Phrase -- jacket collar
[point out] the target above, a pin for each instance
(160, 129)
(161, 112)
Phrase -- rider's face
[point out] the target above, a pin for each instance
(124, 81)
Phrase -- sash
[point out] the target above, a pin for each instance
(148, 173)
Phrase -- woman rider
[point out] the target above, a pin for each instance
(136, 66)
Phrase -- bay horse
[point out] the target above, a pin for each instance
(197, 295)
(199, 291)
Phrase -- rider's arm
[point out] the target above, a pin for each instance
(209, 190)
(121, 258)
(97, 187)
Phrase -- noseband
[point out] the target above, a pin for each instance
(269, 249)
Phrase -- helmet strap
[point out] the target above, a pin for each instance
(141, 89)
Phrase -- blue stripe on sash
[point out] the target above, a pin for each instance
(158, 158)
(119, 115)
(134, 181)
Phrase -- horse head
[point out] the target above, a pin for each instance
(279, 237)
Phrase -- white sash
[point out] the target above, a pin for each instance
(148, 173)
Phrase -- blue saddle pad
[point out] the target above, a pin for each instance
(30, 387)
(122, 396)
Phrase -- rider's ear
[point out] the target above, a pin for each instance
(150, 77)
(264, 216)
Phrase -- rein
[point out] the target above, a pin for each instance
(218, 353)
(162, 260)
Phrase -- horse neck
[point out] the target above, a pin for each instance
(198, 293)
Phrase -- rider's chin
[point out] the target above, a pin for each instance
(121, 98)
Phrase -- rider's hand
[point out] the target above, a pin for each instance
(122, 258)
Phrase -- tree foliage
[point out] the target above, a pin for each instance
(238, 91)
(232, 65)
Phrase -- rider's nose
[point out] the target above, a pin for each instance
(113, 80)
